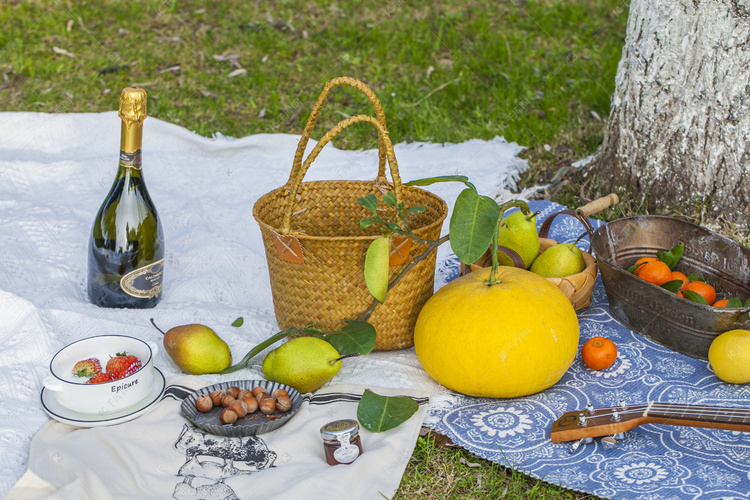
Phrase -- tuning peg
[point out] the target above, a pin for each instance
(622, 404)
(577, 444)
(615, 415)
(610, 442)
(590, 409)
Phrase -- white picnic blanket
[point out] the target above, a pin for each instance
(55, 170)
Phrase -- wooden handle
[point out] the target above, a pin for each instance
(598, 205)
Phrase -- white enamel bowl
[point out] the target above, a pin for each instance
(108, 397)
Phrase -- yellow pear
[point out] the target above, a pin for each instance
(305, 363)
(518, 232)
(196, 349)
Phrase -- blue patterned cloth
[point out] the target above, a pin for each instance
(653, 461)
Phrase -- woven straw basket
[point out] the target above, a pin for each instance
(578, 287)
(316, 249)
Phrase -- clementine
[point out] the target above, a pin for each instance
(656, 272)
(642, 260)
(703, 289)
(721, 303)
(677, 275)
(599, 353)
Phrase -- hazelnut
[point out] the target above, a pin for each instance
(233, 391)
(252, 404)
(283, 404)
(262, 397)
(216, 397)
(228, 400)
(239, 407)
(267, 406)
(227, 416)
(279, 392)
(204, 403)
(258, 389)
(243, 394)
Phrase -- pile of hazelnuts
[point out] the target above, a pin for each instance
(240, 402)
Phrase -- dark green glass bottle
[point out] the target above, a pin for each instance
(126, 249)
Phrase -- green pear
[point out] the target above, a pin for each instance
(305, 363)
(196, 349)
(559, 261)
(518, 232)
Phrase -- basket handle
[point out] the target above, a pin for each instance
(382, 139)
(306, 133)
(581, 213)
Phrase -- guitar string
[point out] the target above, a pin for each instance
(697, 410)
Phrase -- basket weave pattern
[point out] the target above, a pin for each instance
(329, 286)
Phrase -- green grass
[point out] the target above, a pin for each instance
(538, 72)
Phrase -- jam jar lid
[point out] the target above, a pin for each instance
(333, 430)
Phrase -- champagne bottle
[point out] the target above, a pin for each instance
(126, 248)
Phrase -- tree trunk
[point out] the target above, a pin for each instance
(679, 128)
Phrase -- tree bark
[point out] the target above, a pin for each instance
(679, 126)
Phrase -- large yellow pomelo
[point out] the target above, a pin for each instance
(729, 356)
(514, 338)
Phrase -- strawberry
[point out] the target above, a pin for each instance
(100, 378)
(87, 367)
(122, 365)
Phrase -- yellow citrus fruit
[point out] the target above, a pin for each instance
(729, 356)
(511, 339)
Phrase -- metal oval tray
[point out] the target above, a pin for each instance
(670, 320)
(250, 424)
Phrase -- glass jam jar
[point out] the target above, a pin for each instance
(341, 441)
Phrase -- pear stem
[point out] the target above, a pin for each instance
(160, 330)
(334, 361)
(503, 208)
(433, 245)
(528, 217)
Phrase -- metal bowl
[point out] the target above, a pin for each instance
(249, 425)
(670, 320)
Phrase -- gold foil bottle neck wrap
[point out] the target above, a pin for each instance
(133, 104)
(132, 112)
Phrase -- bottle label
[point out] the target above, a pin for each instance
(347, 453)
(144, 282)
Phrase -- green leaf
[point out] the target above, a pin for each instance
(747, 303)
(376, 267)
(365, 223)
(472, 225)
(734, 302)
(695, 297)
(415, 210)
(673, 286)
(369, 202)
(356, 337)
(695, 277)
(238, 322)
(390, 198)
(443, 178)
(381, 413)
(259, 348)
(672, 257)
(632, 268)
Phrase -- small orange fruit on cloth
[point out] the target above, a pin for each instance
(729, 356)
(599, 353)
(656, 272)
(703, 289)
(642, 260)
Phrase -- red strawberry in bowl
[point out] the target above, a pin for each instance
(100, 378)
(87, 368)
(122, 365)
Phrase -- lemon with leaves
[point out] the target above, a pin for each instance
(510, 339)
